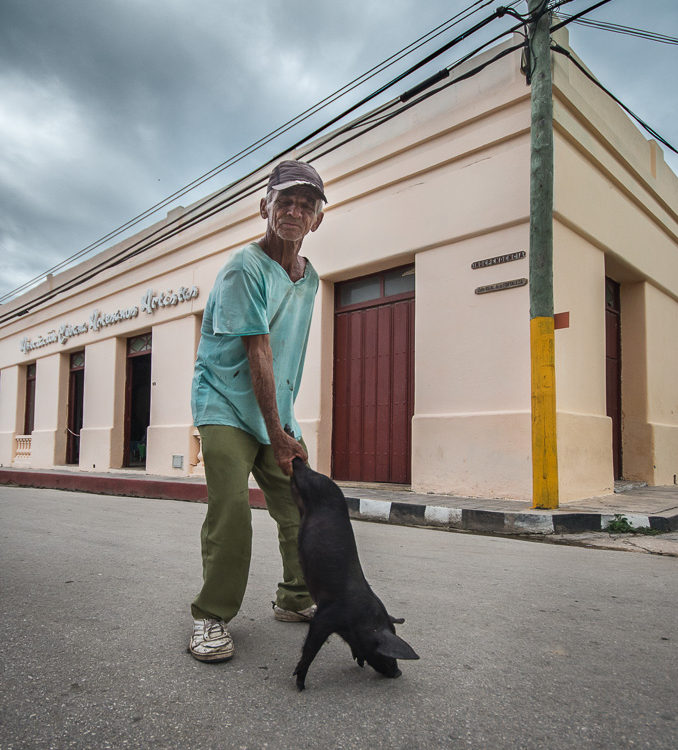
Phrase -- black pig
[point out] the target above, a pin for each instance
(346, 603)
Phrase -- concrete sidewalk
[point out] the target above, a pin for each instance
(649, 507)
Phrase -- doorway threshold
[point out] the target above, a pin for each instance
(348, 484)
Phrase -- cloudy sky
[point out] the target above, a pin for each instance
(109, 106)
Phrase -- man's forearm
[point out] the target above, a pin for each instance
(260, 360)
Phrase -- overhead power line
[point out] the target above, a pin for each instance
(241, 188)
(577, 16)
(437, 31)
(657, 136)
(617, 28)
(561, 50)
(210, 206)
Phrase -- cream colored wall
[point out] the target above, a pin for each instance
(649, 390)
(583, 428)
(442, 185)
(451, 170)
(313, 408)
(662, 380)
(615, 214)
(637, 452)
(48, 444)
(12, 400)
(171, 425)
(608, 205)
(474, 204)
(471, 429)
(101, 436)
(105, 365)
(449, 188)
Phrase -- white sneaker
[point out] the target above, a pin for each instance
(211, 641)
(288, 615)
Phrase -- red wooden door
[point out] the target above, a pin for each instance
(374, 389)
(613, 370)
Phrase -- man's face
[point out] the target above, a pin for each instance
(291, 214)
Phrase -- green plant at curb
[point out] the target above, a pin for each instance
(621, 525)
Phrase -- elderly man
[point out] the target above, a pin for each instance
(247, 375)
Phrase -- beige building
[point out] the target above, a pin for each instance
(418, 366)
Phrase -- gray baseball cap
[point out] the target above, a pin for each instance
(287, 174)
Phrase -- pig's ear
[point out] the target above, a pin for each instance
(394, 647)
(396, 620)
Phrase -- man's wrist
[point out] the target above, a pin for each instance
(276, 433)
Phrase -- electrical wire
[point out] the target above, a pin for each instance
(182, 223)
(444, 73)
(533, 18)
(616, 28)
(237, 190)
(308, 137)
(264, 140)
(409, 103)
(254, 188)
(561, 50)
(576, 16)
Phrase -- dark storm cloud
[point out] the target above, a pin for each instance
(108, 107)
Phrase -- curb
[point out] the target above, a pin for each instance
(535, 523)
(162, 489)
(496, 522)
(97, 484)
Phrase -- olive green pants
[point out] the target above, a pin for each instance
(230, 455)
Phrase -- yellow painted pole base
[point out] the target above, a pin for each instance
(544, 443)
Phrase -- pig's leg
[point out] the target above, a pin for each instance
(319, 630)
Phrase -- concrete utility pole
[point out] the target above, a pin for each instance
(542, 340)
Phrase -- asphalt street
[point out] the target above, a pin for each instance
(523, 645)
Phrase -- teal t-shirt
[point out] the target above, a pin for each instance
(251, 295)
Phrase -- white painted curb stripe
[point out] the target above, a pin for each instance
(451, 516)
(375, 508)
(541, 523)
(520, 523)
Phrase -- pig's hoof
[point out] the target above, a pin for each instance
(300, 678)
(397, 673)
